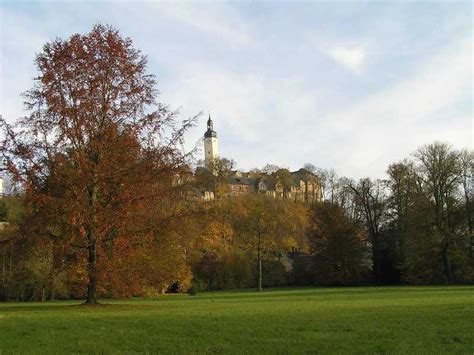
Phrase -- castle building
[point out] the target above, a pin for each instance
(210, 143)
(303, 185)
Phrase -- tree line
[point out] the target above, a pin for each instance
(413, 227)
(105, 203)
(418, 220)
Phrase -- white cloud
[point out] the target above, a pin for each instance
(252, 113)
(351, 58)
(18, 45)
(219, 20)
(231, 98)
(390, 124)
(287, 123)
(350, 54)
(273, 101)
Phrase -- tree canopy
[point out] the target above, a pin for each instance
(96, 150)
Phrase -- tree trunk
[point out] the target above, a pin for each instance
(376, 262)
(4, 278)
(43, 293)
(448, 275)
(259, 262)
(471, 245)
(51, 288)
(469, 221)
(91, 249)
(6, 295)
(260, 278)
(91, 273)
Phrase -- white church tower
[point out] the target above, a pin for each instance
(210, 143)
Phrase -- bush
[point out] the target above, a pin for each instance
(274, 273)
(193, 290)
(302, 273)
(220, 272)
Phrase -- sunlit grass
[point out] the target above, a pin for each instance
(389, 319)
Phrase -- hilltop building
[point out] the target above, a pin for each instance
(303, 186)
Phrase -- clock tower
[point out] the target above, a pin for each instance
(210, 142)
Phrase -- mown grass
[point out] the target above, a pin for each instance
(343, 320)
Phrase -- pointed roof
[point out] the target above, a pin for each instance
(210, 129)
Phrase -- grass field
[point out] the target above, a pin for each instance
(356, 320)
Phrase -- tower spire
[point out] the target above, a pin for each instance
(210, 129)
(210, 124)
(210, 142)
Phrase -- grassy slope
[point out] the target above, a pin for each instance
(401, 319)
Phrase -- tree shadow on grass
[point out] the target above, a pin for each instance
(59, 306)
(331, 292)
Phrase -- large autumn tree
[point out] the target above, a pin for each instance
(97, 156)
(265, 225)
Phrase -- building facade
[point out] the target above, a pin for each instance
(303, 185)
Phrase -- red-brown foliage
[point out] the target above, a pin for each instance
(98, 159)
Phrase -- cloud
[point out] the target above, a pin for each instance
(279, 87)
(235, 101)
(23, 34)
(391, 123)
(351, 58)
(254, 114)
(261, 118)
(220, 21)
(19, 41)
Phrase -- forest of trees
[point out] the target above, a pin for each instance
(102, 202)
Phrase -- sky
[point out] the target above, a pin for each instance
(344, 85)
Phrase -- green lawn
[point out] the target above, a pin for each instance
(356, 320)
